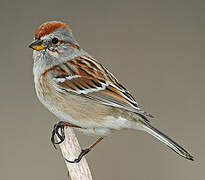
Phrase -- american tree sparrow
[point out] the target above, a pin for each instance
(82, 92)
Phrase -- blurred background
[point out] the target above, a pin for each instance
(155, 48)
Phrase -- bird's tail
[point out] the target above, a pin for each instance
(169, 142)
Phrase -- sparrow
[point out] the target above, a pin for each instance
(82, 93)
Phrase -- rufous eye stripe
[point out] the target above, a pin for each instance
(73, 45)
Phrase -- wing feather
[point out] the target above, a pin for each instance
(86, 77)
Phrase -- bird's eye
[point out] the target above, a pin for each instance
(55, 40)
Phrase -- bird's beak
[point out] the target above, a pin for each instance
(37, 45)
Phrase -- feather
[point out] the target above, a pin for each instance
(86, 77)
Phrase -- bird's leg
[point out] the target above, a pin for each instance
(60, 126)
(85, 151)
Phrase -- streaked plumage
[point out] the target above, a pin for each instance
(81, 91)
(86, 77)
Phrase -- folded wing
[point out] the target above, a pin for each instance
(85, 77)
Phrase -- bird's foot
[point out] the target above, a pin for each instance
(58, 126)
(78, 159)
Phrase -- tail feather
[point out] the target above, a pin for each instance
(169, 142)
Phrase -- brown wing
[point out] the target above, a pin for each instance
(86, 77)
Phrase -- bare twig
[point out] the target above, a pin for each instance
(70, 149)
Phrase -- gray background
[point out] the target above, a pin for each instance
(155, 48)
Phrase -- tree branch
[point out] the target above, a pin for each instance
(71, 149)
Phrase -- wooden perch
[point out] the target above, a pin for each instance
(70, 148)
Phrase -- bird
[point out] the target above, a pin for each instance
(82, 93)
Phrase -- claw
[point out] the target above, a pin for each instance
(78, 159)
(61, 135)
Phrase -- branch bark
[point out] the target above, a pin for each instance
(70, 148)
